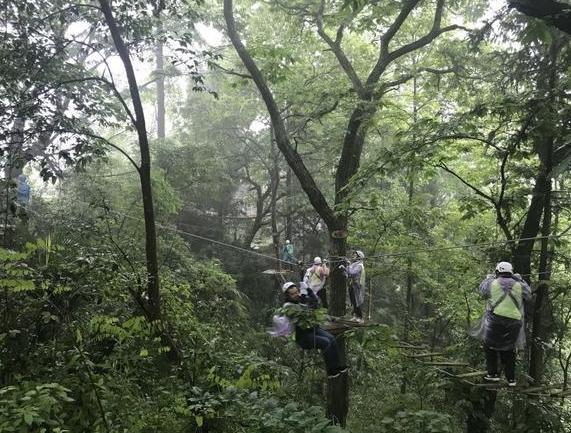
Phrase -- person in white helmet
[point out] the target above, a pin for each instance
(315, 278)
(356, 274)
(503, 328)
(288, 252)
(310, 335)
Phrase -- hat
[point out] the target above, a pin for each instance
(317, 261)
(288, 286)
(505, 267)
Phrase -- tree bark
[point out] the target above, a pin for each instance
(153, 286)
(349, 160)
(160, 76)
(555, 13)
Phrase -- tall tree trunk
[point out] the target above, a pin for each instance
(275, 182)
(160, 76)
(12, 170)
(289, 206)
(153, 291)
(541, 311)
(338, 388)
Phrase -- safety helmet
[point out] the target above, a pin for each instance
(504, 267)
(317, 261)
(288, 286)
(287, 241)
(359, 254)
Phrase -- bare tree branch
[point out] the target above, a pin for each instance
(335, 46)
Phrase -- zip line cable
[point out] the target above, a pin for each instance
(463, 246)
(214, 241)
(332, 258)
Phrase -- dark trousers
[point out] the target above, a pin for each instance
(317, 338)
(322, 295)
(357, 311)
(508, 362)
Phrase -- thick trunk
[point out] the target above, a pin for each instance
(275, 182)
(545, 147)
(542, 310)
(522, 253)
(289, 206)
(483, 403)
(338, 388)
(553, 12)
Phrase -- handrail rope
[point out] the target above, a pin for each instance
(172, 229)
(335, 259)
(463, 246)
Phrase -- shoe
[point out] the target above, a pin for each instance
(492, 378)
(360, 320)
(512, 383)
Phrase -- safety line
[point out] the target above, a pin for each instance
(335, 258)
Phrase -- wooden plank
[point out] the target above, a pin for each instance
(274, 272)
(410, 347)
(446, 364)
(471, 374)
(424, 355)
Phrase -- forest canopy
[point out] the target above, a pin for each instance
(167, 166)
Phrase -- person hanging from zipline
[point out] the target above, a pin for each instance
(502, 327)
(315, 278)
(300, 311)
(355, 272)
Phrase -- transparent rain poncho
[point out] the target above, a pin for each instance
(502, 328)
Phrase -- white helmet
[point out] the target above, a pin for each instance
(288, 286)
(359, 254)
(317, 261)
(287, 241)
(504, 267)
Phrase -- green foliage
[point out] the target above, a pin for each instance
(31, 407)
(422, 421)
(303, 316)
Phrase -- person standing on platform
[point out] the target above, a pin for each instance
(502, 327)
(315, 278)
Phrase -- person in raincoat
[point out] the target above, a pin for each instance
(287, 252)
(502, 327)
(315, 278)
(356, 274)
(297, 314)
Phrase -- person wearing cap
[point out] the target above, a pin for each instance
(355, 272)
(315, 278)
(311, 336)
(503, 328)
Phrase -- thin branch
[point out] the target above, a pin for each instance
(230, 72)
(335, 46)
(102, 139)
(111, 85)
(478, 191)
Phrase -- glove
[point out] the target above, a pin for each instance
(342, 267)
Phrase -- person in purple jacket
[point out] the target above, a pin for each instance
(503, 328)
